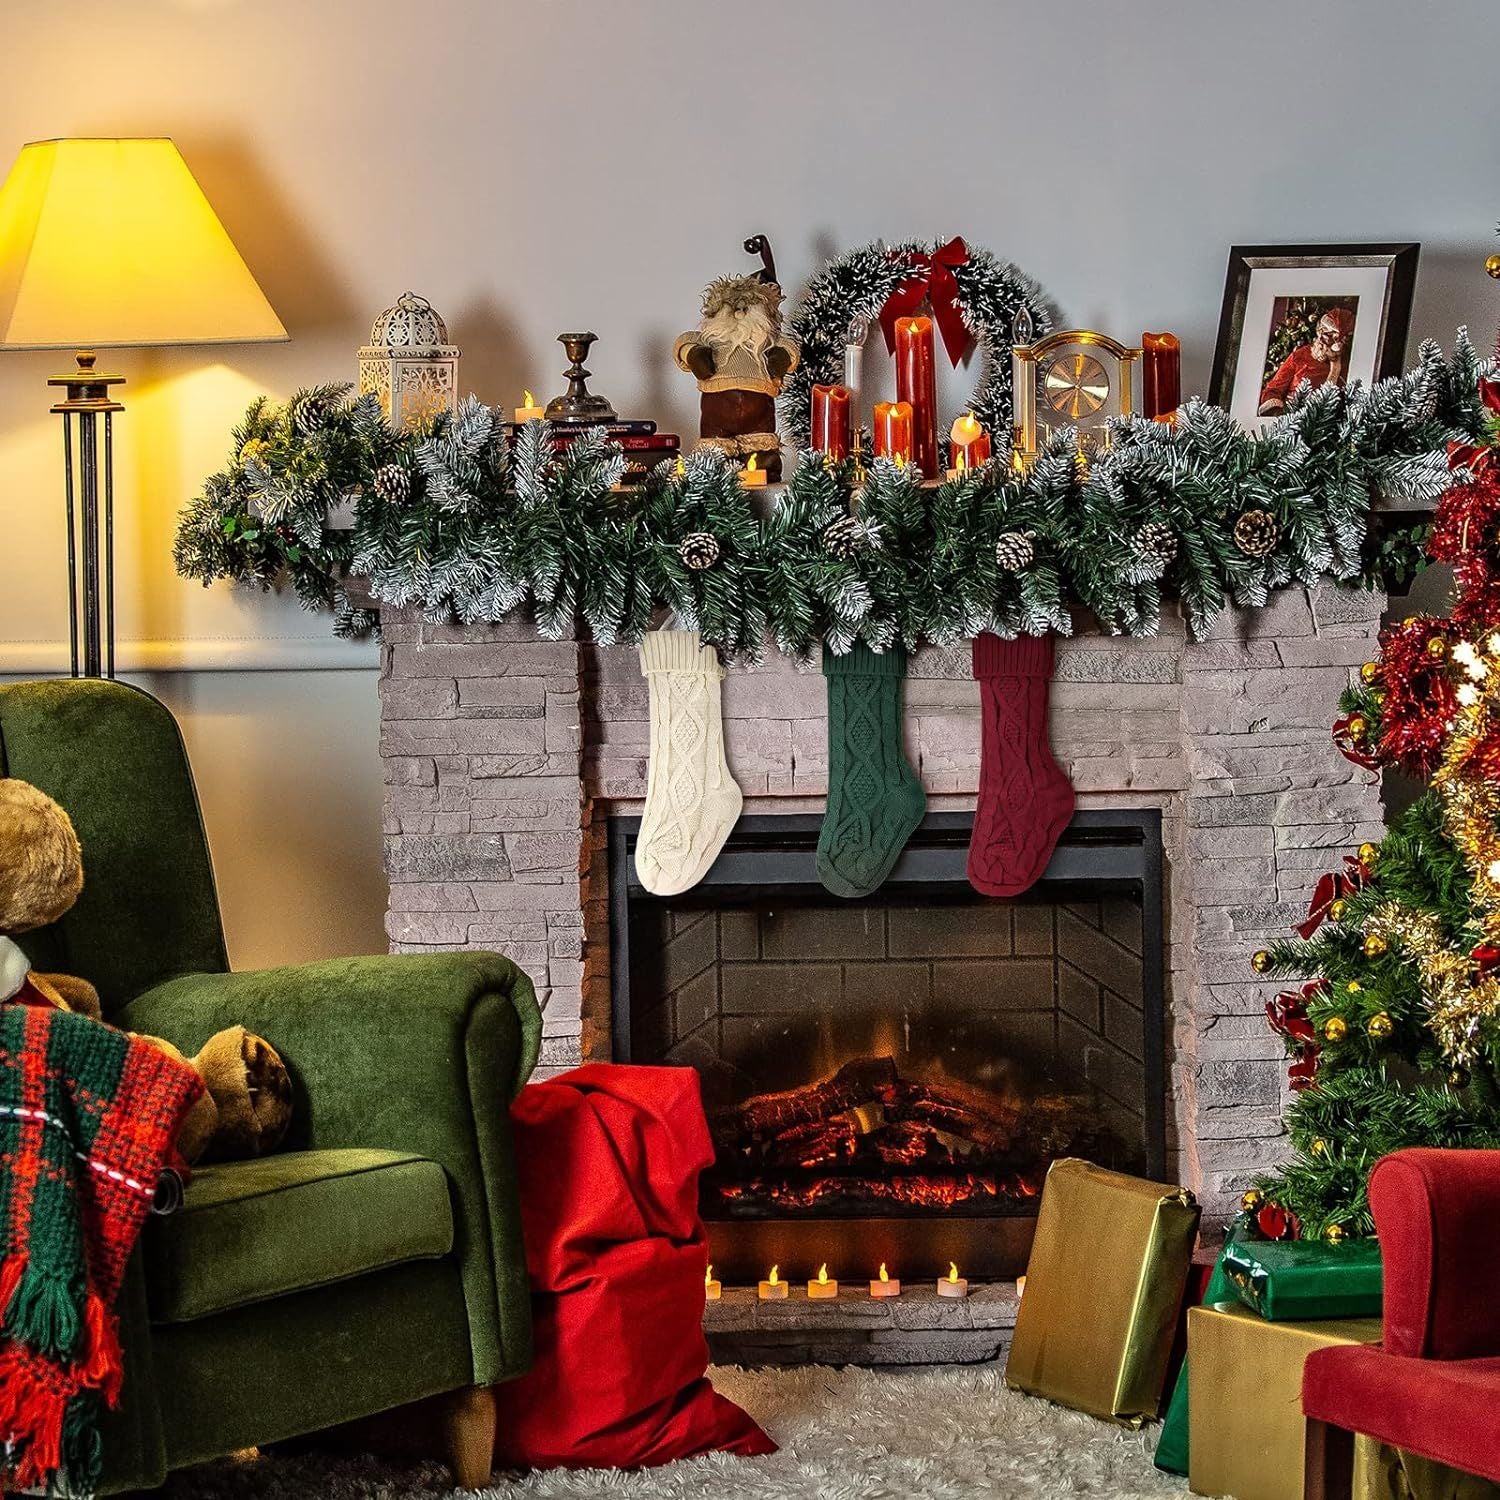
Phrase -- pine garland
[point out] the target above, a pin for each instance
(461, 522)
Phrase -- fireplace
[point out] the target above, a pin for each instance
(889, 1078)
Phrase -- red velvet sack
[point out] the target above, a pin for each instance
(608, 1160)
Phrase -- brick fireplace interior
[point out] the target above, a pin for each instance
(507, 758)
(888, 1079)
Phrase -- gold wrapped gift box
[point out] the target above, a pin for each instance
(1103, 1287)
(1245, 1399)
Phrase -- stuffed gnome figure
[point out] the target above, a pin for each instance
(246, 1104)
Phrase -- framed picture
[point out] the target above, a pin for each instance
(1309, 312)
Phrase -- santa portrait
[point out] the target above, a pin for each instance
(1325, 359)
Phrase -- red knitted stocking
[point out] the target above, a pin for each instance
(1025, 800)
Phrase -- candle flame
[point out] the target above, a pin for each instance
(900, 460)
(1017, 462)
(530, 399)
(681, 467)
(773, 1278)
(952, 1271)
(752, 465)
(883, 1276)
(823, 1274)
(708, 1275)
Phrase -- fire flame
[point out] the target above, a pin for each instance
(751, 463)
(883, 1276)
(773, 1278)
(952, 1271)
(823, 1274)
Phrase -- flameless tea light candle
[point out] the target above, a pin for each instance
(1020, 1287)
(952, 1285)
(531, 412)
(971, 445)
(752, 476)
(773, 1288)
(885, 1287)
(822, 1286)
(712, 1290)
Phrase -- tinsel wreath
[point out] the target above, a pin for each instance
(460, 521)
(844, 301)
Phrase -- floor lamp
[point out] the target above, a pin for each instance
(110, 243)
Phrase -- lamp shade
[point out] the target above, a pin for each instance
(111, 243)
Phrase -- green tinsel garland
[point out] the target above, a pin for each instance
(459, 522)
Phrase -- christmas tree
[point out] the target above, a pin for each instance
(1394, 1034)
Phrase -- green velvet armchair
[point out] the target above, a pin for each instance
(374, 1261)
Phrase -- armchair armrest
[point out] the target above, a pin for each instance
(1437, 1213)
(419, 1053)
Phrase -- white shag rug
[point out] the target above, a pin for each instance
(943, 1433)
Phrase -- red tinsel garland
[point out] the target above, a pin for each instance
(1420, 697)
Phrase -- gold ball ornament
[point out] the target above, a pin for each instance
(1336, 909)
(1380, 1026)
(1437, 648)
(1368, 854)
(1317, 1146)
(1335, 1234)
(1354, 986)
(1252, 1200)
(1356, 726)
(1492, 266)
(1458, 1078)
(1369, 672)
(1260, 961)
(1335, 1029)
(1376, 946)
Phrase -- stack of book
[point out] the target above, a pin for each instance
(644, 446)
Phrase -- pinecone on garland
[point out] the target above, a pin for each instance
(699, 550)
(1256, 533)
(1013, 551)
(845, 537)
(1157, 541)
(393, 484)
(310, 415)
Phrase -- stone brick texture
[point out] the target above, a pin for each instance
(504, 754)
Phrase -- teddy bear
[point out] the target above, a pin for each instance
(246, 1106)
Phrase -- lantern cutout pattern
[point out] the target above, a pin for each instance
(409, 363)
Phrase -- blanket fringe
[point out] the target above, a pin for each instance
(43, 1311)
(103, 1364)
(31, 1416)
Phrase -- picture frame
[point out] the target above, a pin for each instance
(1309, 312)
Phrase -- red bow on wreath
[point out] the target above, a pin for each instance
(931, 277)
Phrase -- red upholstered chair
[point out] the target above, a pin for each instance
(1433, 1385)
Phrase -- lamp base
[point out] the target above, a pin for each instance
(91, 531)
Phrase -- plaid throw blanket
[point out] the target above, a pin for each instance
(88, 1117)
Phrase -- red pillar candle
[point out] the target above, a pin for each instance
(1161, 374)
(970, 442)
(916, 382)
(893, 430)
(832, 421)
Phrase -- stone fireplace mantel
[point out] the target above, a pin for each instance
(504, 754)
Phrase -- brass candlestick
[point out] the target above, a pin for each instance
(576, 405)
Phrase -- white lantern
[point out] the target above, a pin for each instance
(409, 363)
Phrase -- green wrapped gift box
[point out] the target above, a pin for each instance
(1293, 1281)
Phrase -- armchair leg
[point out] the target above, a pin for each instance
(1328, 1462)
(469, 1435)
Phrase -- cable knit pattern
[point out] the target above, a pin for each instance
(875, 799)
(692, 802)
(1025, 800)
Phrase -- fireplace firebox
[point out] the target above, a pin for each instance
(888, 1079)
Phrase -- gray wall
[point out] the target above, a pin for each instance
(539, 167)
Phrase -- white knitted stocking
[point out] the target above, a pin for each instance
(691, 799)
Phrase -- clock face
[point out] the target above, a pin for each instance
(1074, 386)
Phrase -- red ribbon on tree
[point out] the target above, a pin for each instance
(1481, 462)
(1332, 887)
(1349, 747)
(931, 278)
(1487, 956)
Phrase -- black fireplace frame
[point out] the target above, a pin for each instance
(1101, 850)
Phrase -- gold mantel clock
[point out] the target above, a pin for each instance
(1074, 378)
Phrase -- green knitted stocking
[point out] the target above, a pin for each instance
(875, 799)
